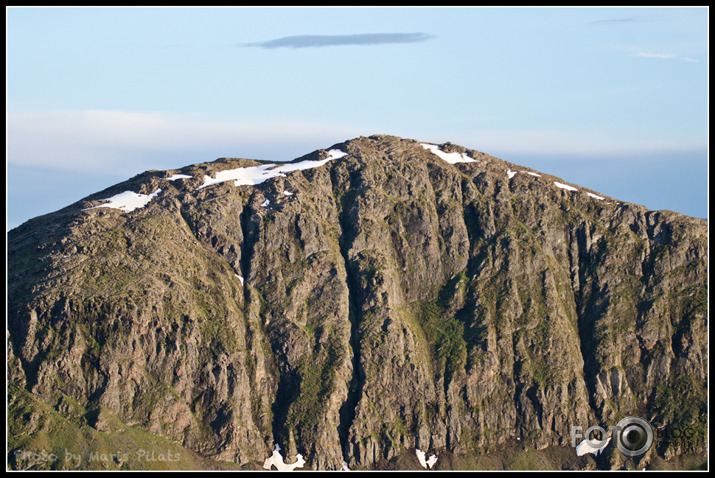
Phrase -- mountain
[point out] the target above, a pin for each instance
(368, 305)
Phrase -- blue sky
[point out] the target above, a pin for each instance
(614, 99)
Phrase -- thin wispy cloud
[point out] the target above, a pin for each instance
(570, 143)
(664, 56)
(316, 41)
(615, 20)
(127, 142)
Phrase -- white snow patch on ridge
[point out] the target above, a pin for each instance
(179, 176)
(424, 462)
(600, 198)
(565, 186)
(277, 460)
(510, 173)
(253, 175)
(586, 447)
(127, 201)
(451, 158)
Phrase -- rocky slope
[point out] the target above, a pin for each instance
(367, 300)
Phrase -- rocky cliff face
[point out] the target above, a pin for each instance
(364, 301)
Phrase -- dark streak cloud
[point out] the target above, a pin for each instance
(314, 41)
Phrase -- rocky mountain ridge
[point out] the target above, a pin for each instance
(357, 304)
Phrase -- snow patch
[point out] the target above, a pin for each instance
(336, 154)
(586, 447)
(287, 193)
(425, 463)
(239, 278)
(179, 176)
(277, 460)
(533, 174)
(127, 201)
(253, 175)
(565, 186)
(345, 467)
(451, 158)
(600, 198)
(510, 173)
(266, 203)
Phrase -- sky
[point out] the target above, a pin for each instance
(612, 99)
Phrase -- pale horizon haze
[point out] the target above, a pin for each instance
(612, 99)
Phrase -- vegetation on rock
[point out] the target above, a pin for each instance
(392, 302)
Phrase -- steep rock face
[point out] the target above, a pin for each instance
(352, 311)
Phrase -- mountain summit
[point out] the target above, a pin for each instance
(382, 303)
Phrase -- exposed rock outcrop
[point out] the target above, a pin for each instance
(353, 311)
